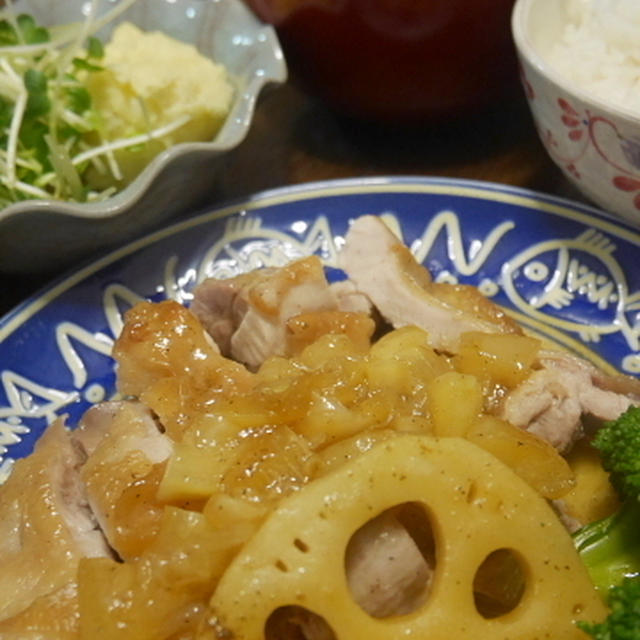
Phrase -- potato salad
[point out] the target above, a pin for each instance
(79, 119)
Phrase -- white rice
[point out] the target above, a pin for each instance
(600, 50)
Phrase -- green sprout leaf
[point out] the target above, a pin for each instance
(78, 99)
(32, 135)
(31, 32)
(8, 35)
(85, 65)
(36, 84)
(35, 81)
(6, 113)
(95, 48)
(66, 131)
(38, 104)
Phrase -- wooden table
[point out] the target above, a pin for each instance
(295, 139)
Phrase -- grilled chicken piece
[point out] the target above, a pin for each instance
(349, 298)
(221, 304)
(130, 422)
(53, 616)
(167, 341)
(386, 571)
(167, 360)
(551, 403)
(618, 383)
(126, 452)
(404, 293)
(46, 524)
(247, 315)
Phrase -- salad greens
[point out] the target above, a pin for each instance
(48, 125)
(44, 112)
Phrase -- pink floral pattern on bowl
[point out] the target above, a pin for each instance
(599, 152)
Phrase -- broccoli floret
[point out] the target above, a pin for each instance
(623, 622)
(610, 548)
(619, 443)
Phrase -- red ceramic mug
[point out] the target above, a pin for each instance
(397, 59)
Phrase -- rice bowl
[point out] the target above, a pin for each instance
(593, 137)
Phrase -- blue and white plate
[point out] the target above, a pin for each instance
(562, 269)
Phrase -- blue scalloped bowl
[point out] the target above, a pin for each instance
(40, 234)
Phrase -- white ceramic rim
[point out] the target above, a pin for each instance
(519, 24)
